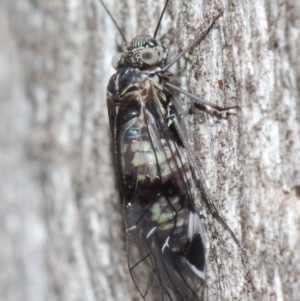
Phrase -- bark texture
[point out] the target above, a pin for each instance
(61, 228)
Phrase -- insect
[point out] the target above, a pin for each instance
(153, 164)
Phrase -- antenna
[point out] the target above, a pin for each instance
(160, 18)
(114, 21)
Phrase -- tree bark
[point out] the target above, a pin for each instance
(61, 232)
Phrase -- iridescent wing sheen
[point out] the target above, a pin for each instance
(164, 245)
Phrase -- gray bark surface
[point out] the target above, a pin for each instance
(61, 227)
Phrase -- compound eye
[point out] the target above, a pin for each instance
(115, 60)
(149, 56)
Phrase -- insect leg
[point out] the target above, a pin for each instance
(199, 174)
(199, 100)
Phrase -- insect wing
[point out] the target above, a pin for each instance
(112, 109)
(163, 232)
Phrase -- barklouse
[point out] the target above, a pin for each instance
(153, 164)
